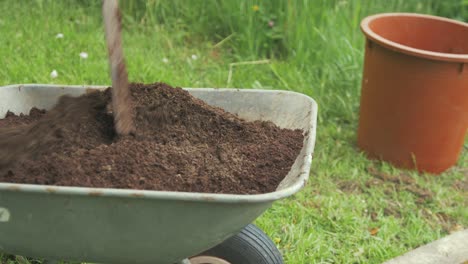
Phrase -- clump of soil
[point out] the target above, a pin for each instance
(180, 144)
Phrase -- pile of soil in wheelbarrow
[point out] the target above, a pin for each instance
(180, 144)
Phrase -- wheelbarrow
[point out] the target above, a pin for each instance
(139, 226)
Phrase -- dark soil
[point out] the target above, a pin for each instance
(180, 144)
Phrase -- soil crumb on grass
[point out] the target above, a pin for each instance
(180, 144)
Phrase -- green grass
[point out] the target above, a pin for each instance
(315, 47)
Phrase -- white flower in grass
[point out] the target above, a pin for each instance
(59, 36)
(194, 57)
(165, 60)
(54, 74)
(83, 55)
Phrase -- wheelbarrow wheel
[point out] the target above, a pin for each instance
(250, 246)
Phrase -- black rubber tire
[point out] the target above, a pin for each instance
(250, 246)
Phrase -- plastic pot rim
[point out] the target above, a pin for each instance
(370, 34)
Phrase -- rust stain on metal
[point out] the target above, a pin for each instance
(51, 190)
(137, 195)
(95, 193)
(208, 198)
(14, 188)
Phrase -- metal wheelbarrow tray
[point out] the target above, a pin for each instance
(136, 226)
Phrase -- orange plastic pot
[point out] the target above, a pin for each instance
(414, 101)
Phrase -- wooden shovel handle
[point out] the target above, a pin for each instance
(121, 97)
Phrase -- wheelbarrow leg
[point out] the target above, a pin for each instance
(184, 261)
